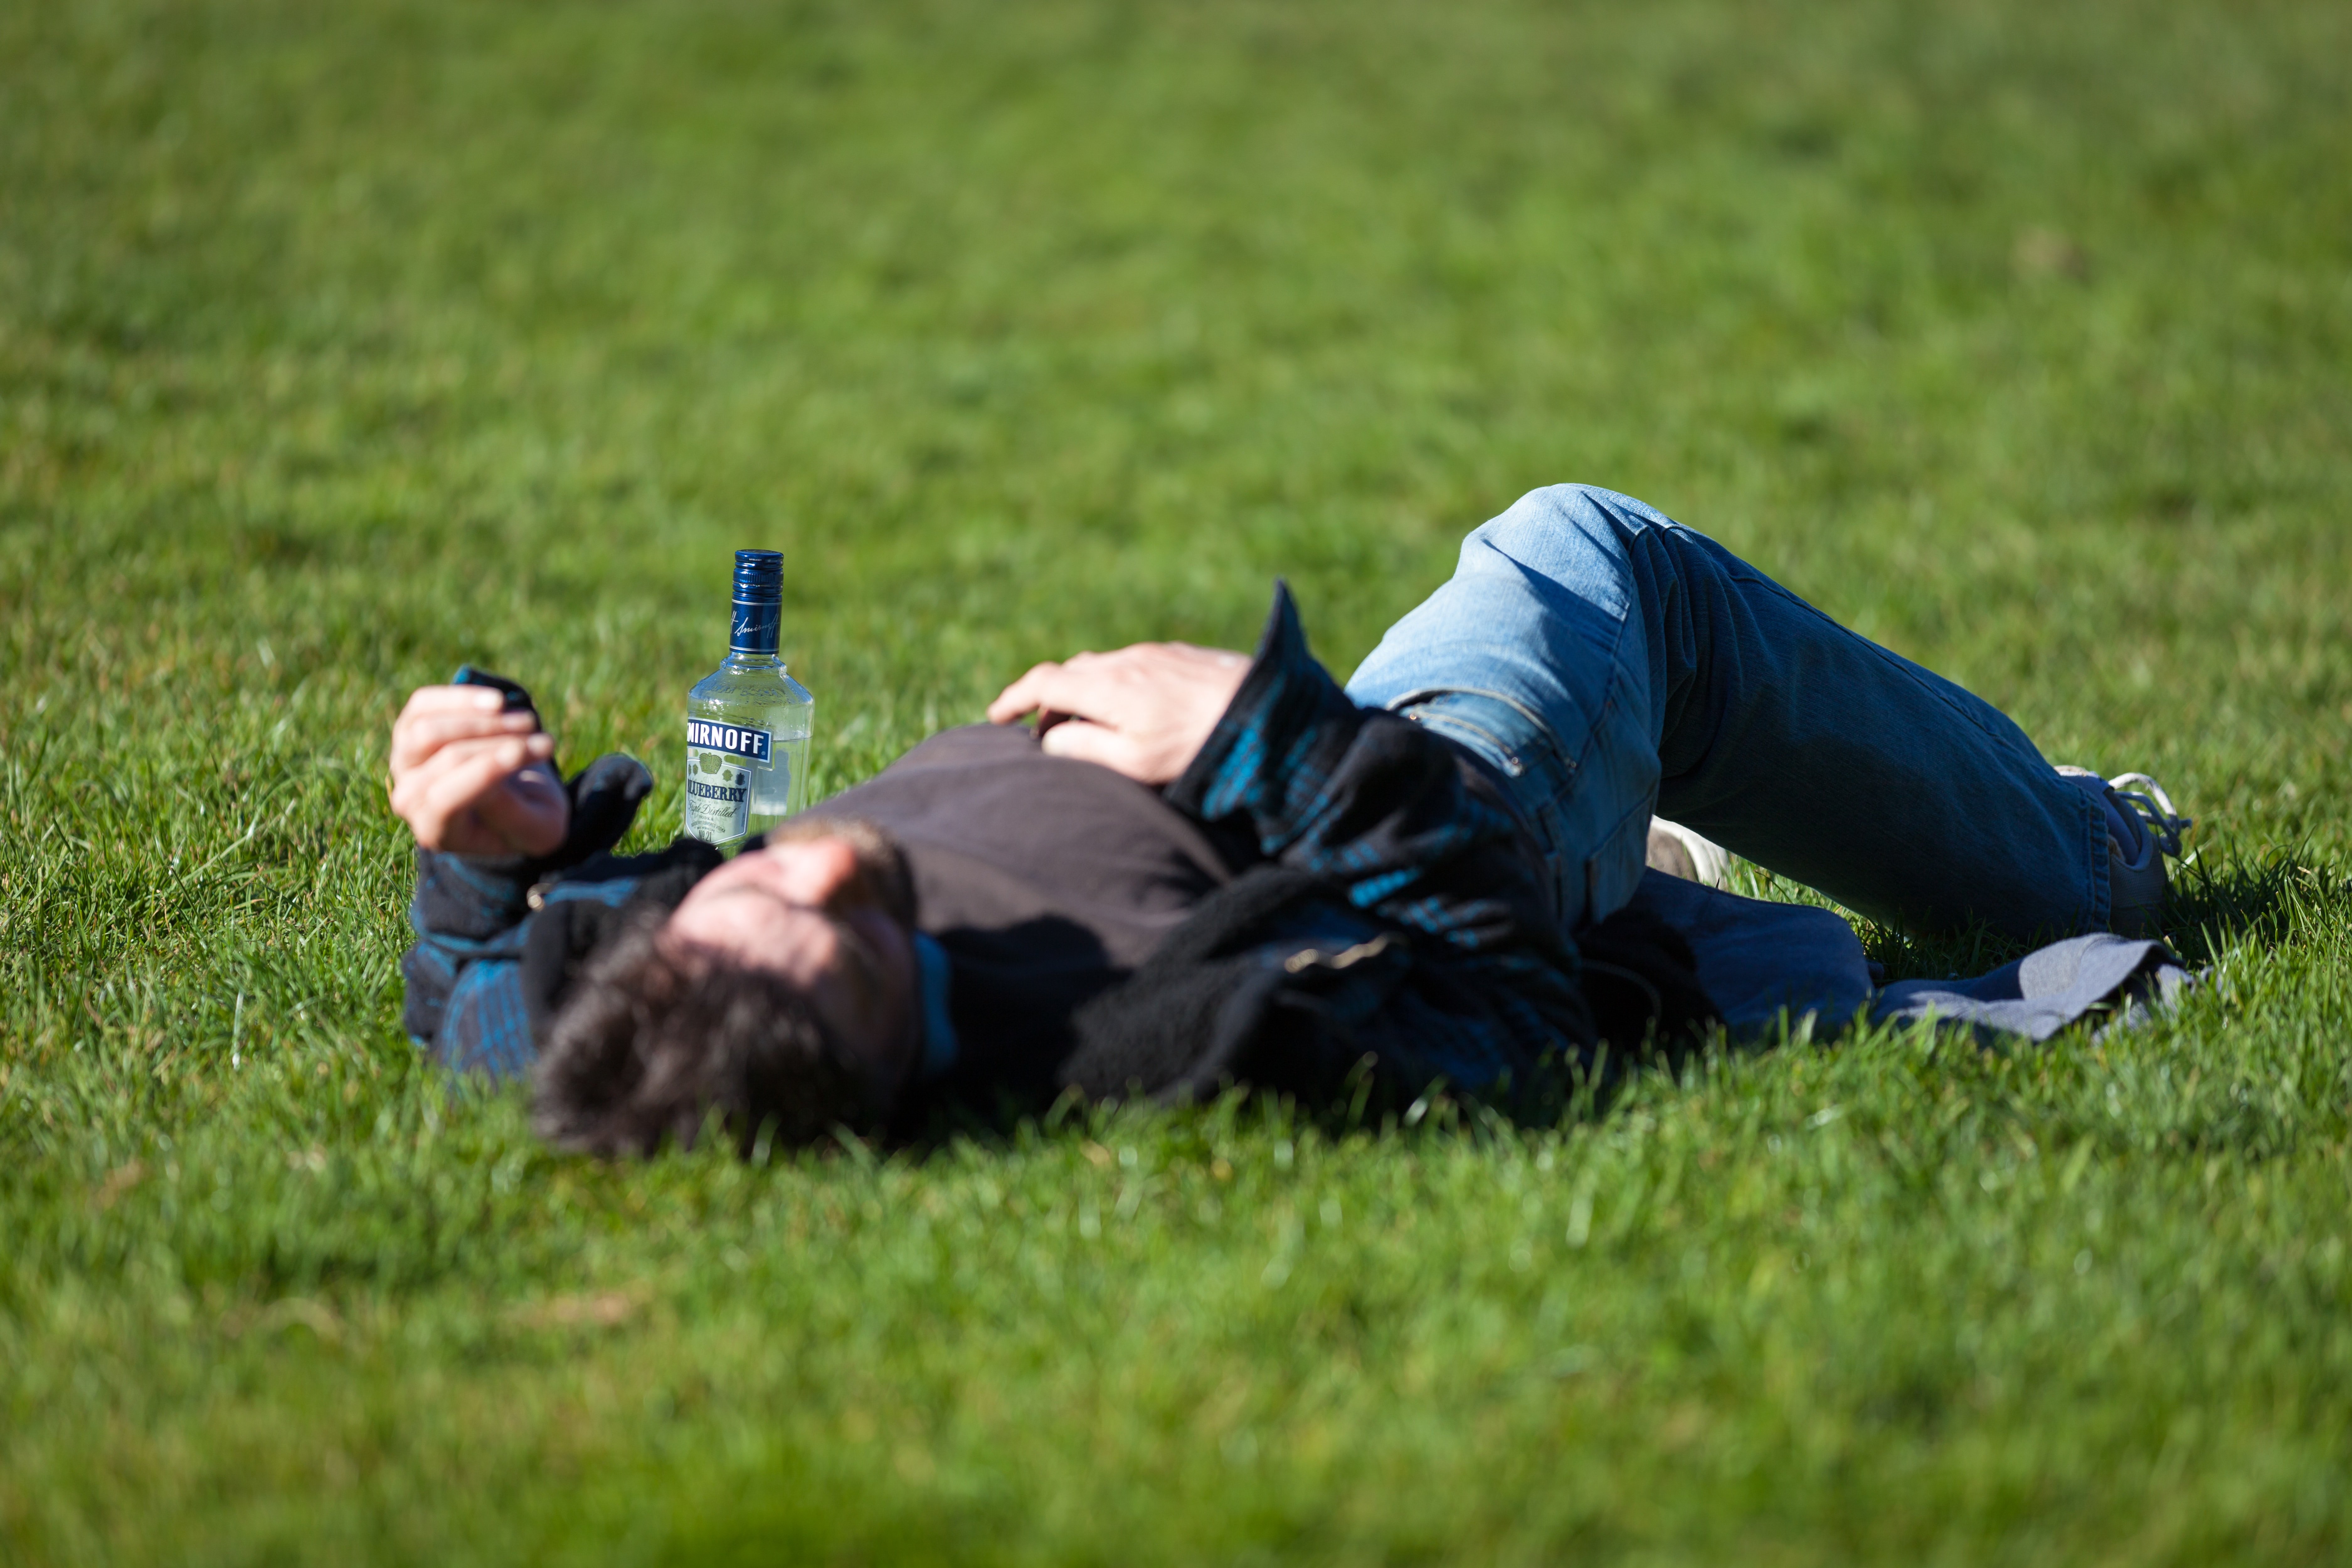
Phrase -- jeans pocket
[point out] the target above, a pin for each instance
(1506, 733)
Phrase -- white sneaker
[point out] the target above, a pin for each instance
(1678, 852)
(2142, 829)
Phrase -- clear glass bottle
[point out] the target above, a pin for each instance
(747, 723)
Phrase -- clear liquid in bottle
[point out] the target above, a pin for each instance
(747, 723)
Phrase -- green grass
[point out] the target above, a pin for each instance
(341, 343)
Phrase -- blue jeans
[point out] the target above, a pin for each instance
(1611, 663)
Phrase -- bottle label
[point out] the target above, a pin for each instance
(709, 735)
(719, 759)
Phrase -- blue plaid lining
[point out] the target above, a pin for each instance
(472, 918)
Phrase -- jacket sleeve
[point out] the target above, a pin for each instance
(1474, 983)
(467, 1000)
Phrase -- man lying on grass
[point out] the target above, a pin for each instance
(1203, 868)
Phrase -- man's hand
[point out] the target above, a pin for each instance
(471, 779)
(1144, 712)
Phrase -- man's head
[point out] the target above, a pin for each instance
(781, 993)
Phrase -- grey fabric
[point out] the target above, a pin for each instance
(1757, 959)
(2048, 989)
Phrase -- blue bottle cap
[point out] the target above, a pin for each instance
(760, 576)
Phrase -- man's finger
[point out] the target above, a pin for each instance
(1022, 696)
(411, 783)
(453, 699)
(467, 787)
(430, 705)
(516, 751)
(416, 737)
(455, 776)
(1083, 741)
(419, 797)
(1091, 690)
(527, 811)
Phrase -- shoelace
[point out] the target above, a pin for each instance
(2155, 810)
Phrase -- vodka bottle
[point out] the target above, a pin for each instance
(747, 723)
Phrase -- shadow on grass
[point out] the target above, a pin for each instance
(2246, 902)
(2212, 910)
(1950, 955)
(1565, 1094)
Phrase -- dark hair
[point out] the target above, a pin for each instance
(645, 1049)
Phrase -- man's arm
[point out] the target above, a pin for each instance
(475, 780)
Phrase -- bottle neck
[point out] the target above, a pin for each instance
(752, 630)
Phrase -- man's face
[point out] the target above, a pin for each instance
(825, 908)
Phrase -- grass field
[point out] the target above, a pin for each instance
(341, 343)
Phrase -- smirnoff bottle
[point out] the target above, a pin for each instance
(747, 723)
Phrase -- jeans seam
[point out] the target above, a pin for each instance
(2103, 891)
